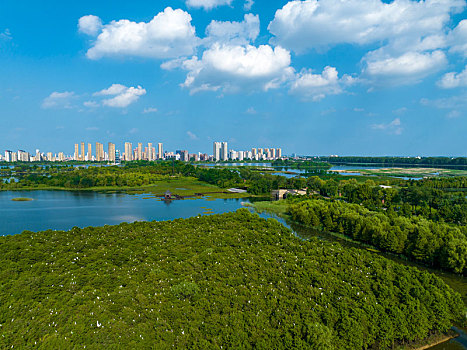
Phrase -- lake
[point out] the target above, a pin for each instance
(61, 210)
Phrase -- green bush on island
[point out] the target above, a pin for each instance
(22, 199)
(232, 281)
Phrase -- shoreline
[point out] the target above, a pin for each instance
(444, 339)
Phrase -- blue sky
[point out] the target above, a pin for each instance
(313, 77)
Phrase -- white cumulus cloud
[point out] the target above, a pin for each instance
(240, 33)
(168, 35)
(394, 127)
(458, 38)
(248, 5)
(122, 96)
(408, 68)
(317, 86)
(303, 25)
(230, 67)
(207, 4)
(452, 79)
(192, 136)
(5, 35)
(58, 100)
(150, 110)
(90, 25)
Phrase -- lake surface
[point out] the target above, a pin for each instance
(62, 210)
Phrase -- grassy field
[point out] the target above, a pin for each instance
(182, 186)
(277, 207)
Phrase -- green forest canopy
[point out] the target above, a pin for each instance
(231, 280)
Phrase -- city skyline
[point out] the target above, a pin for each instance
(238, 71)
(83, 151)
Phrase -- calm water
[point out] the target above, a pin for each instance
(62, 210)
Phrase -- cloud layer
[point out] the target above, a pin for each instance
(405, 41)
(233, 32)
(317, 86)
(59, 100)
(407, 68)
(207, 4)
(452, 79)
(230, 67)
(168, 35)
(122, 96)
(303, 25)
(393, 127)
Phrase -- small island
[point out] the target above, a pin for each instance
(22, 199)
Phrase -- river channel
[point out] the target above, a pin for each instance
(62, 210)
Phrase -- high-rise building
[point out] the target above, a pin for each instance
(50, 157)
(82, 155)
(76, 156)
(224, 151)
(89, 152)
(99, 152)
(160, 153)
(217, 151)
(254, 152)
(111, 152)
(61, 157)
(184, 156)
(140, 151)
(149, 152)
(260, 153)
(273, 153)
(233, 154)
(38, 156)
(268, 153)
(8, 156)
(279, 152)
(128, 151)
(23, 156)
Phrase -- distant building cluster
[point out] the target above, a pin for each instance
(23, 156)
(84, 152)
(221, 153)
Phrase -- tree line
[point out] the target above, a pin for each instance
(231, 281)
(435, 244)
(448, 162)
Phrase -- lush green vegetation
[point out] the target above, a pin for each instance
(22, 199)
(139, 174)
(437, 199)
(145, 177)
(409, 172)
(455, 163)
(301, 164)
(231, 281)
(434, 244)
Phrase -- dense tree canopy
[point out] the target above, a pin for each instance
(231, 281)
(455, 163)
(435, 244)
